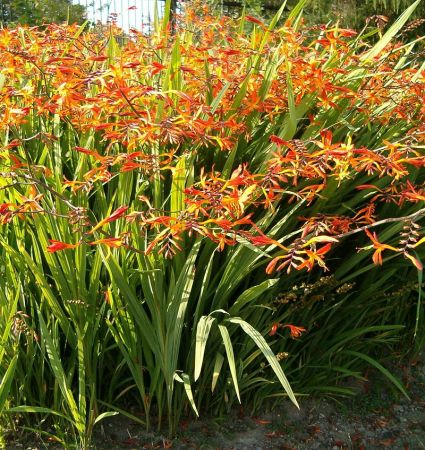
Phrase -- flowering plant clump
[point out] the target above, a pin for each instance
(142, 167)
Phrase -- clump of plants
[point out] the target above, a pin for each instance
(157, 195)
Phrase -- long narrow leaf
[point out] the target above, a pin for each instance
(7, 381)
(230, 357)
(267, 352)
(202, 332)
(381, 368)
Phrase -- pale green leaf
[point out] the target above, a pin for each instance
(184, 378)
(218, 364)
(267, 352)
(105, 415)
(230, 357)
(202, 332)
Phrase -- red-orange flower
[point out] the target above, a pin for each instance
(56, 246)
(118, 213)
(274, 329)
(377, 256)
(5, 213)
(261, 240)
(109, 242)
(253, 20)
(277, 140)
(295, 331)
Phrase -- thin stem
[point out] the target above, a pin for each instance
(415, 215)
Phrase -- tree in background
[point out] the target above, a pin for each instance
(350, 13)
(37, 12)
(356, 13)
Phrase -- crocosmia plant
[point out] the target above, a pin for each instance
(157, 188)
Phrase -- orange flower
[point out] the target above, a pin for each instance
(315, 257)
(261, 240)
(274, 329)
(277, 140)
(253, 20)
(56, 246)
(6, 214)
(107, 296)
(110, 242)
(119, 212)
(377, 256)
(295, 331)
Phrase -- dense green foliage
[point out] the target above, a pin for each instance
(37, 12)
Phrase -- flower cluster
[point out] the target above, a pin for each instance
(224, 128)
